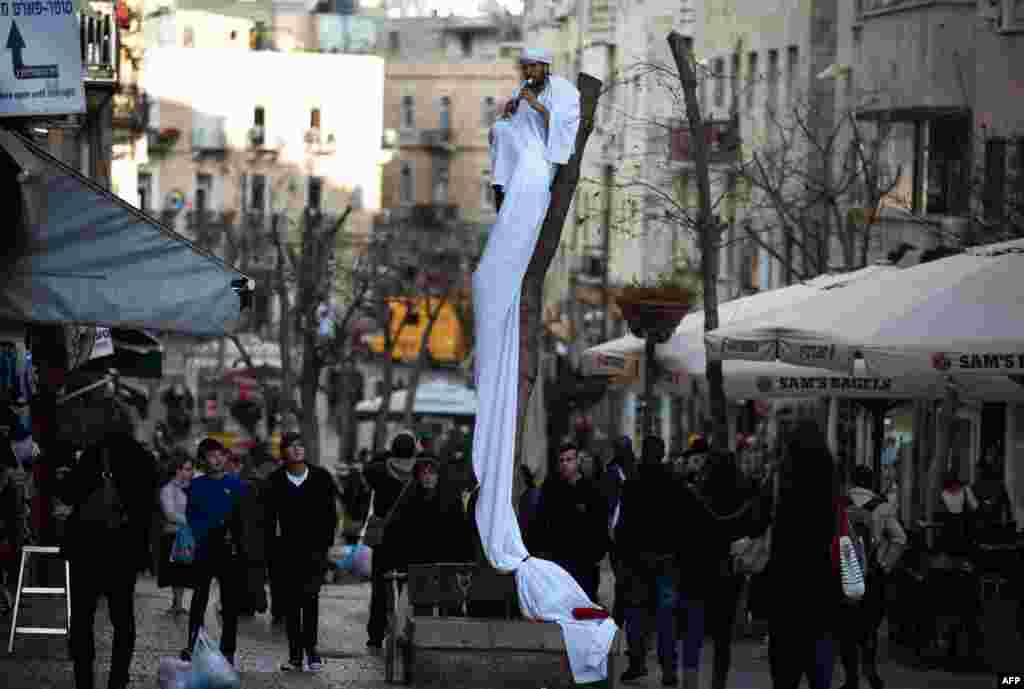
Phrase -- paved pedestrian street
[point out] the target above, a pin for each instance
(42, 663)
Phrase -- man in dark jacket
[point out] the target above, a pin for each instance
(302, 518)
(646, 545)
(386, 478)
(106, 557)
(619, 469)
(428, 527)
(571, 524)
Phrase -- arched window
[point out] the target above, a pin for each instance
(487, 112)
(408, 112)
(406, 190)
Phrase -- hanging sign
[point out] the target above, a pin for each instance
(41, 64)
(104, 344)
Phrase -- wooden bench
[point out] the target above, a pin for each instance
(441, 598)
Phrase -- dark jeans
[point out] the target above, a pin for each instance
(377, 627)
(303, 620)
(858, 641)
(229, 574)
(665, 600)
(90, 580)
(588, 576)
(278, 592)
(715, 616)
(794, 653)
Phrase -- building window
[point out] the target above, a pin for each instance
(145, 191)
(204, 190)
(995, 179)
(488, 111)
(734, 82)
(189, 37)
(406, 190)
(259, 125)
(314, 118)
(487, 201)
(445, 113)
(792, 65)
(257, 193)
(441, 177)
(393, 42)
(466, 41)
(948, 172)
(752, 79)
(719, 77)
(408, 112)
(772, 97)
(314, 193)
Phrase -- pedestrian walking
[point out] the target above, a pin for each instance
(214, 516)
(388, 478)
(805, 588)
(173, 505)
(619, 468)
(302, 518)
(571, 524)
(110, 491)
(722, 508)
(428, 526)
(646, 547)
(873, 519)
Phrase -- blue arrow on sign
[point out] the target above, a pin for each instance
(16, 44)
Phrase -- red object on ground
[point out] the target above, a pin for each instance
(590, 614)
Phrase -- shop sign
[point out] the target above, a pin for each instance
(994, 361)
(41, 66)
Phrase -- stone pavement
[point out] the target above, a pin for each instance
(41, 663)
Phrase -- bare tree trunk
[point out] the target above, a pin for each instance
(709, 233)
(531, 300)
(422, 359)
(380, 421)
(310, 389)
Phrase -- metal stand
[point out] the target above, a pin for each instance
(39, 591)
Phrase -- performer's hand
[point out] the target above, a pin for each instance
(531, 98)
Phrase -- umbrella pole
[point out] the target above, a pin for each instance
(649, 373)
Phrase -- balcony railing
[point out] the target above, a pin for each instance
(426, 215)
(98, 31)
(207, 218)
(437, 138)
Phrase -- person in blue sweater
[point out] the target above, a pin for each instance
(213, 515)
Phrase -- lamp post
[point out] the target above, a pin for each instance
(652, 314)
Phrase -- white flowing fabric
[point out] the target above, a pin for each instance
(523, 160)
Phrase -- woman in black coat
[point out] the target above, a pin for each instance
(723, 507)
(804, 583)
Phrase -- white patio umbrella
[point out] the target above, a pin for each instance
(685, 349)
(961, 315)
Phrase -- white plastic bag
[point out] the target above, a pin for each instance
(210, 669)
(850, 569)
(173, 673)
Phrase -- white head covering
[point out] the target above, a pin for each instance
(536, 55)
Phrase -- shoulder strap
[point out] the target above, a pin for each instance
(398, 501)
(873, 503)
(105, 462)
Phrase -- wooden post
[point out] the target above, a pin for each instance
(531, 299)
(709, 231)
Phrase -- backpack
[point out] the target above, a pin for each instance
(103, 508)
(861, 532)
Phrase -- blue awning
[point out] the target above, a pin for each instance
(93, 259)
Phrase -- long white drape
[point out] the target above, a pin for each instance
(523, 164)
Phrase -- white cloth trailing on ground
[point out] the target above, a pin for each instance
(524, 157)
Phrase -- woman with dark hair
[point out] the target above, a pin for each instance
(802, 571)
(173, 504)
(724, 507)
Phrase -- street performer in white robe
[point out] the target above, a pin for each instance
(536, 134)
